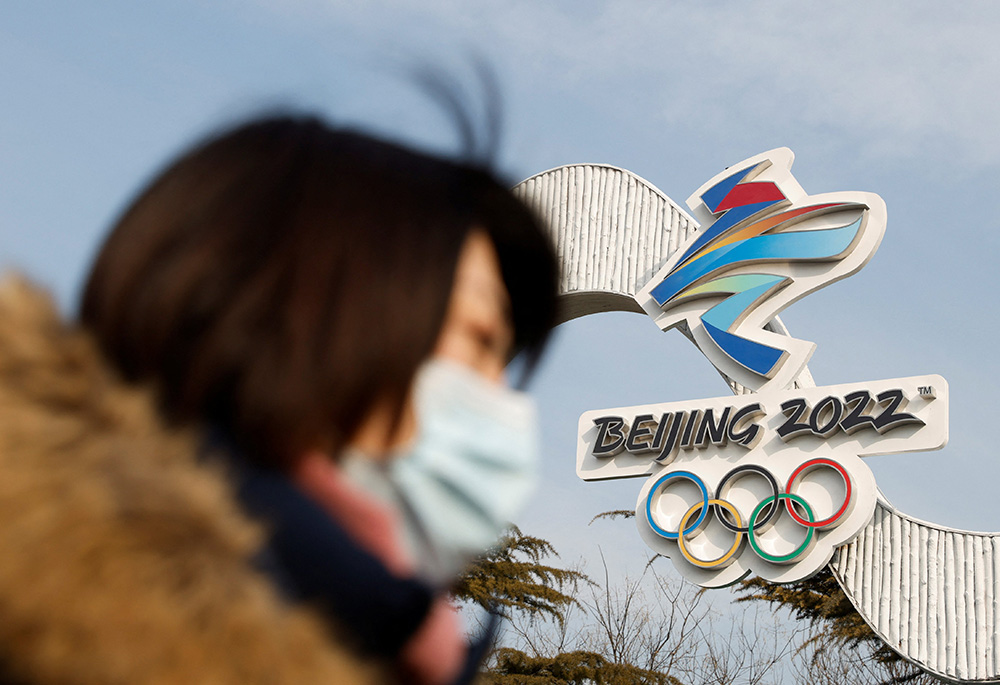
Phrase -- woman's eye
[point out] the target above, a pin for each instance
(488, 341)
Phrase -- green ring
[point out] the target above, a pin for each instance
(791, 555)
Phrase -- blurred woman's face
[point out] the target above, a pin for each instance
(477, 332)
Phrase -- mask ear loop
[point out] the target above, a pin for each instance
(432, 557)
(426, 552)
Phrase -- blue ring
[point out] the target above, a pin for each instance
(656, 486)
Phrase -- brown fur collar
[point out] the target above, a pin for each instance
(121, 559)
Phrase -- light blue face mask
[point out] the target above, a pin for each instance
(468, 473)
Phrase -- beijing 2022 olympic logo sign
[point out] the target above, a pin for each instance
(769, 482)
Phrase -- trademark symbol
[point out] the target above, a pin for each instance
(926, 391)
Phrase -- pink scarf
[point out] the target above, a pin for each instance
(436, 652)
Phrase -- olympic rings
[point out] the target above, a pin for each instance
(728, 478)
(687, 475)
(764, 512)
(727, 556)
(809, 466)
(791, 556)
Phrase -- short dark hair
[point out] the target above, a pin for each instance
(280, 278)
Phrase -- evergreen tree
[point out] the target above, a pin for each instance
(836, 623)
(516, 579)
(512, 576)
(514, 667)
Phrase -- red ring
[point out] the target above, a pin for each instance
(843, 507)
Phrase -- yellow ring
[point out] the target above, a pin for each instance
(725, 558)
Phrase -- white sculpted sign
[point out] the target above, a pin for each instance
(763, 244)
(769, 483)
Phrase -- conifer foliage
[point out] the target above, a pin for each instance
(821, 601)
(514, 667)
(512, 576)
(654, 646)
(835, 623)
(567, 629)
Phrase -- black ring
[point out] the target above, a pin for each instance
(772, 508)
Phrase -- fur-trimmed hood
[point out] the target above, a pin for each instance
(122, 560)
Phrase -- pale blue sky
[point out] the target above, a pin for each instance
(897, 98)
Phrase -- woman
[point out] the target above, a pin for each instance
(323, 320)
